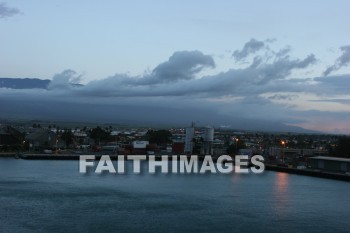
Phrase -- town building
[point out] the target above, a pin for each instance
(9, 136)
(330, 164)
(189, 139)
(208, 138)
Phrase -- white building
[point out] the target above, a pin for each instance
(140, 144)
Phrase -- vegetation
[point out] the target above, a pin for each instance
(100, 135)
(342, 149)
(159, 137)
(235, 146)
(68, 137)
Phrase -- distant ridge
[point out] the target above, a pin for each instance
(24, 83)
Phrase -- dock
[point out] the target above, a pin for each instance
(309, 172)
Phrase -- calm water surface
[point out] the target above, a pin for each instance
(51, 196)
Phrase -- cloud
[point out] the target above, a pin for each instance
(341, 61)
(250, 47)
(282, 97)
(262, 90)
(309, 60)
(283, 52)
(280, 68)
(64, 80)
(337, 84)
(176, 77)
(6, 11)
(182, 65)
(180, 76)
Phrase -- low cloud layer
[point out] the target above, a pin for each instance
(262, 92)
(6, 11)
(64, 80)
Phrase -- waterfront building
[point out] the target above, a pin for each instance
(290, 153)
(43, 138)
(330, 164)
(139, 147)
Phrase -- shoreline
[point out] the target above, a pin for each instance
(308, 172)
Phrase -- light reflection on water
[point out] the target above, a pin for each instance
(51, 196)
(281, 194)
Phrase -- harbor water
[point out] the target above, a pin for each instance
(52, 196)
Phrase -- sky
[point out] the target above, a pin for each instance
(242, 64)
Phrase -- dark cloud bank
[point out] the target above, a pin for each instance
(175, 92)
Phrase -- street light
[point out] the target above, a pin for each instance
(236, 143)
(24, 143)
(283, 152)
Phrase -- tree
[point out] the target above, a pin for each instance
(68, 137)
(159, 137)
(343, 147)
(100, 135)
(231, 149)
(235, 146)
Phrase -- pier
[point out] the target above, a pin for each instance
(309, 172)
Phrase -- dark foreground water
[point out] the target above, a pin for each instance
(51, 196)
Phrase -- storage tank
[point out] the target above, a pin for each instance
(208, 135)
